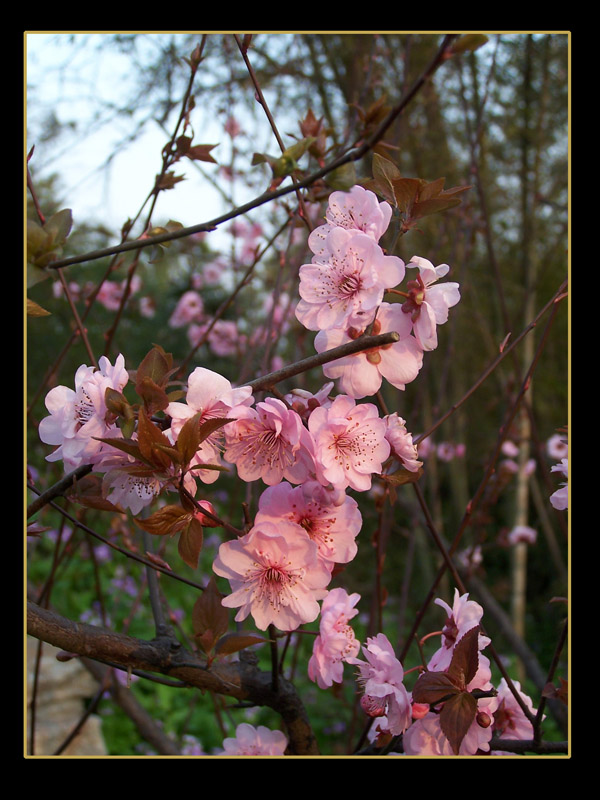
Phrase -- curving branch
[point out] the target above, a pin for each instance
(241, 680)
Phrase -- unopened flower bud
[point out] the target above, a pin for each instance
(483, 720)
(419, 710)
(205, 520)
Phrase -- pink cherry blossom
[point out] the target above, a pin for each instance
(128, 490)
(271, 443)
(189, 308)
(336, 641)
(333, 527)
(557, 446)
(213, 396)
(461, 617)
(509, 720)
(359, 209)
(428, 305)
(78, 418)
(344, 285)
(522, 533)
(560, 498)
(401, 442)
(275, 575)
(382, 676)
(350, 443)
(251, 741)
(361, 374)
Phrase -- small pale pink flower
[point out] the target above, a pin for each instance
(336, 641)
(275, 575)
(350, 443)
(382, 676)
(213, 396)
(251, 741)
(78, 418)
(557, 446)
(333, 527)
(361, 374)
(560, 498)
(522, 533)
(509, 720)
(428, 305)
(344, 285)
(401, 442)
(359, 210)
(461, 617)
(270, 442)
(189, 308)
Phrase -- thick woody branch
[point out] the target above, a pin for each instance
(241, 680)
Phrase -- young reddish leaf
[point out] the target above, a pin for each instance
(405, 193)
(433, 206)
(190, 543)
(150, 438)
(167, 181)
(210, 426)
(208, 613)
(167, 520)
(433, 687)
(206, 640)
(465, 659)
(128, 446)
(431, 190)
(233, 642)
(35, 529)
(384, 172)
(156, 365)
(456, 717)
(154, 397)
(188, 439)
(87, 491)
(201, 152)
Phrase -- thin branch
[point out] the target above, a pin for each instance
(352, 155)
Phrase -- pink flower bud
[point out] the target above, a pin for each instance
(419, 710)
(207, 522)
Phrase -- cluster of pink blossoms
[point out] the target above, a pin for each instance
(343, 287)
(386, 699)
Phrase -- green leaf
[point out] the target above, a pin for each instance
(402, 476)
(343, 178)
(469, 42)
(58, 226)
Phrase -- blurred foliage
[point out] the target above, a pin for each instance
(494, 119)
